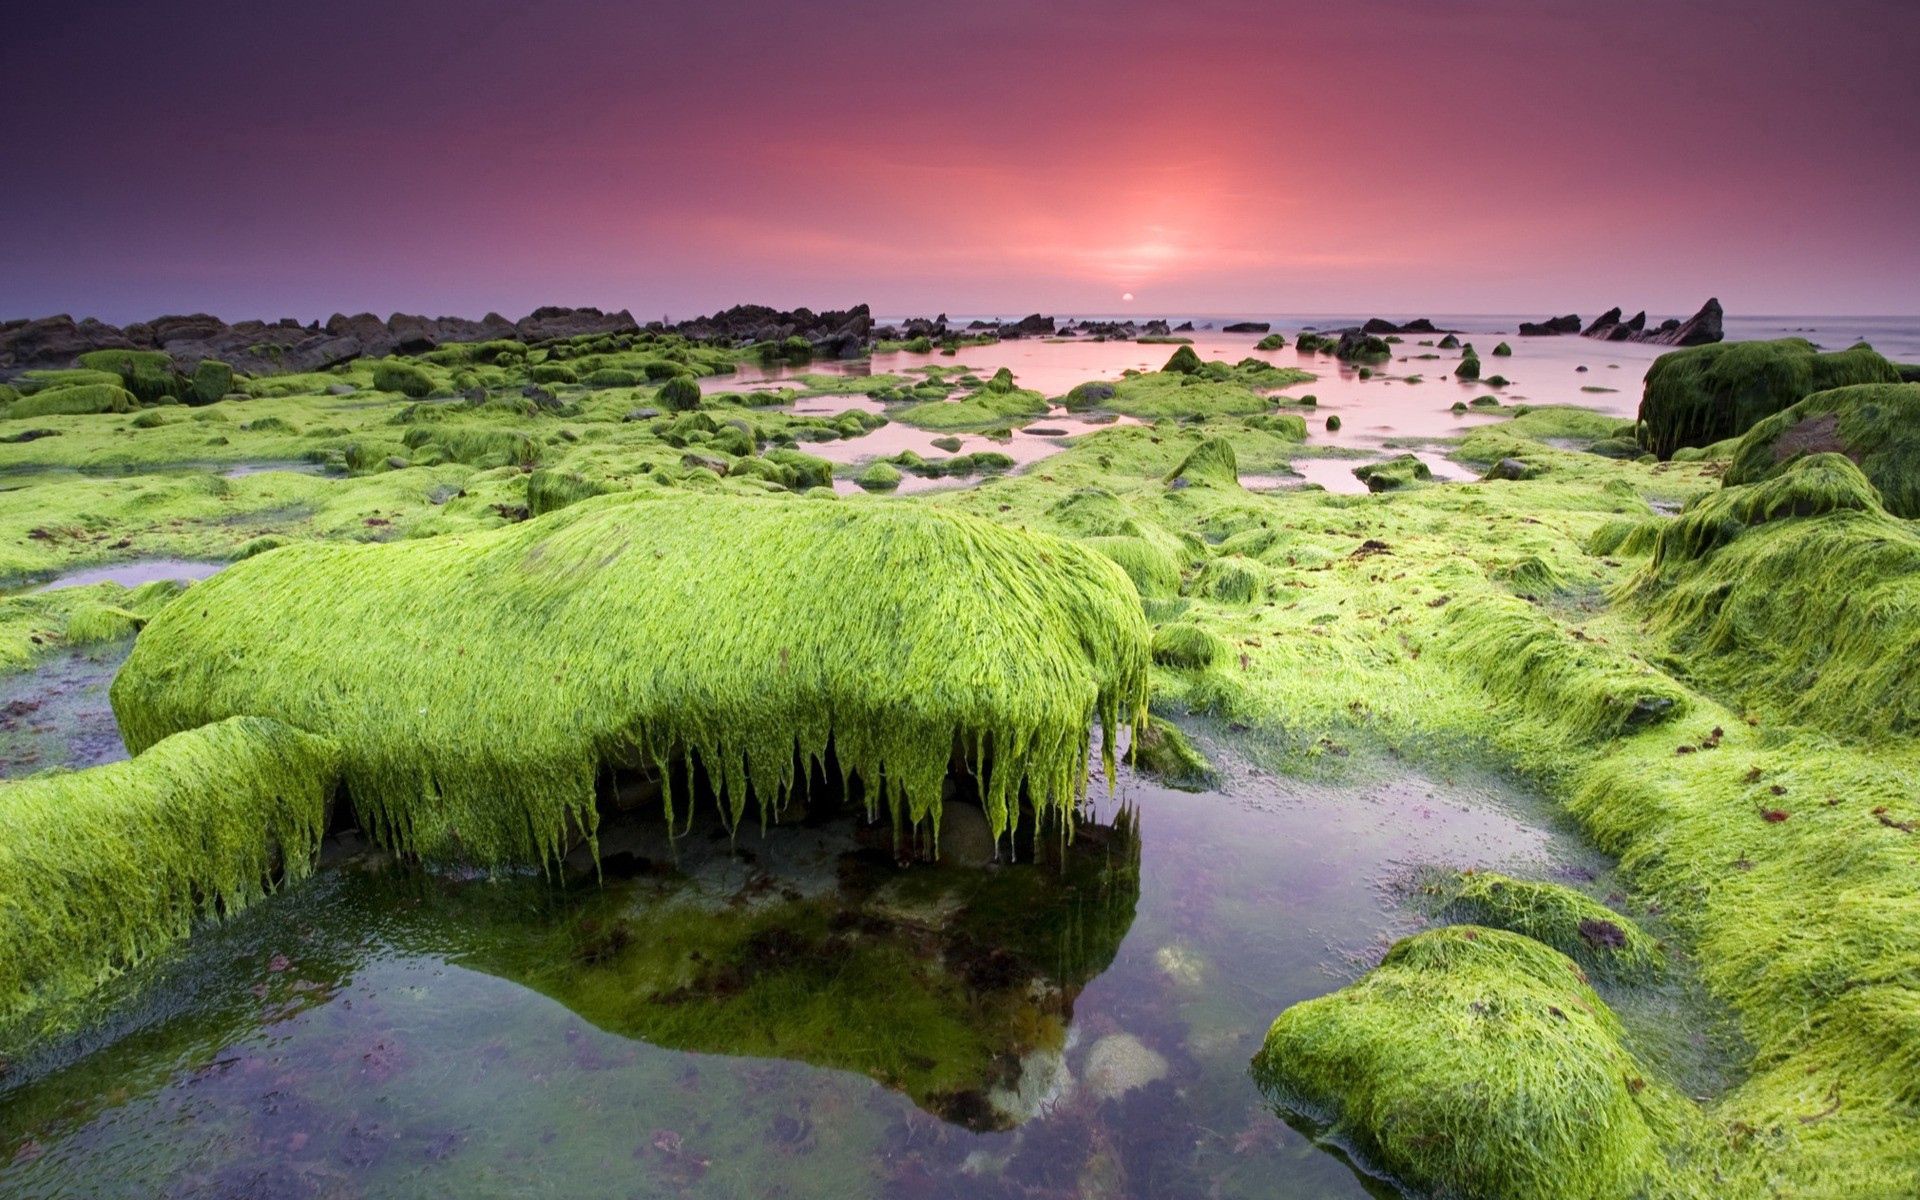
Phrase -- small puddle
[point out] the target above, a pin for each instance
(56, 715)
(133, 574)
(787, 1012)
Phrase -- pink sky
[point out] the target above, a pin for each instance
(1483, 155)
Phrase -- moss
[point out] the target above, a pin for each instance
(1477, 1062)
(1228, 580)
(886, 630)
(986, 408)
(1150, 564)
(148, 374)
(1503, 351)
(1187, 647)
(102, 868)
(1705, 394)
(950, 444)
(1799, 593)
(1575, 924)
(878, 477)
(1449, 342)
(212, 380)
(1333, 423)
(1468, 367)
(1877, 426)
(1211, 464)
(1184, 362)
(404, 378)
(1273, 341)
(679, 394)
(82, 400)
(1090, 395)
(1160, 750)
(1402, 470)
(552, 373)
(549, 490)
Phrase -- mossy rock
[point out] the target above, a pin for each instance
(1161, 751)
(1184, 362)
(878, 477)
(549, 491)
(1468, 367)
(102, 868)
(1231, 580)
(148, 374)
(479, 685)
(1210, 464)
(1187, 647)
(404, 378)
(678, 394)
(1503, 351)
(1877, 426)
(1705, 394)
(1400, 471)
(83, 400)
(212, 380)
(1089, 396)
(1474, 1062)
(1572, 922)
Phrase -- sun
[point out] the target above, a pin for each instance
(1126, 295)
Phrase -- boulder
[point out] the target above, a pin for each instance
(1237, 327)
(1551, 327)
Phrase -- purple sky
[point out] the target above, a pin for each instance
(268, 159)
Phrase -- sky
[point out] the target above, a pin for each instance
(257, 158)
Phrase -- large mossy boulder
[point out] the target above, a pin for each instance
(1705, 394)
(1876, 425)
(148, 374)
(1476, 1062)
(101, 868)
(1400, 471)
(85, 399)
(404, 378)
(1210, 464)
(480, 684)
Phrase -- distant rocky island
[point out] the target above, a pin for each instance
(1700, 329)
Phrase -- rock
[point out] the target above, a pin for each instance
(1120, 1063)
(1514, 469)
(1702, 328)
(1238, 327)
(1377, 325)
(965, 837)
(1356, 346)
(1876, 425)
(1551, 327)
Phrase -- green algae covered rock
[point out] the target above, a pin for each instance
(549, 490)
(1474, 1062)
(1211, 464)
(84, 399)
(1159, 749)
(1876, 425)
(1705, 394)
(878, 477)
(1184, 362)
(404, 378)
(101, 868)
(212, 379)
(1799, 592)
(479, 683)
(679, 394)
(1402, 470)
(1187, 647)
(1571, 922)
(148, 374)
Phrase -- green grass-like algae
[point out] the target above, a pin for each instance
(478, 683)
(101, 868)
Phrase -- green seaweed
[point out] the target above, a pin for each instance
(893, 633)
(1877, 426)
(1576, 925)
(102, 868)
(1477, 1062)
(1705, 394)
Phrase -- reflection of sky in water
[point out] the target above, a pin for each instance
(1387, 406)
(335, 1036)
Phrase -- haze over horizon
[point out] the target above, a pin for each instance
(255, 160)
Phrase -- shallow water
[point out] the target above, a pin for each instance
(57, 716)
(794, 1015)
(135, 573)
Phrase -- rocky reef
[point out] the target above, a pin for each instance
(1700, 329)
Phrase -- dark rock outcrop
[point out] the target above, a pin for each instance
(263, 348)
(1377, 325)
(1239, 327)
(1551, 327)
(1702, 328)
